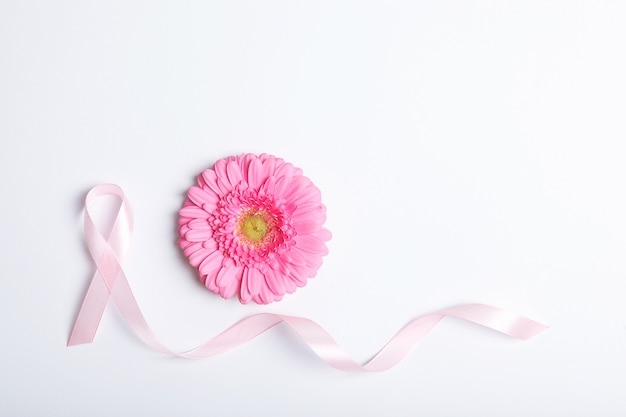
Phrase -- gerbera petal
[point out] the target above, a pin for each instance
(323, 234)
(268, 186)
(194, 212)
(265, 296)
(307, 271)
(210, 244)
(191, 248)
(311, 244)
(198, 235)
(275, 281)
(310, 212)
(281, 185)
(313, 263)
(211, 262)
(220, 168)
(196, 258)
(183, 229)
(244, 295)
(210, 178)
(290, 286)
(306, 228)
(201, 197)
(199, 224)
(234, 173)
(294, 256)
(291, 273)
(244, 161)
(225, 274)
(269, 165)
(230, 289)
(229, 279)
(184, 243)
(209, 281)
(222, 176)
(283, 169)
(297, 279)
(256, 280)
(297, 186)
(308, 194)
(255, 174)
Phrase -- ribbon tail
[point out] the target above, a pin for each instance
(511, 324)
(90, 313)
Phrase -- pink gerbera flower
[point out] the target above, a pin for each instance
(253, 226)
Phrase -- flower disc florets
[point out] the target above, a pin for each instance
(251, 229)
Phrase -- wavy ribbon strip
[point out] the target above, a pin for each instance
(110, 280)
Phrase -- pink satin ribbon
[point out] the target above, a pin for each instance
(110, 280)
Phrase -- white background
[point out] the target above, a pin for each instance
(467, 151)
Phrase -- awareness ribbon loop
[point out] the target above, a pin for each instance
(109, 280)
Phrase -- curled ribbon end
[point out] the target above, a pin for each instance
(78, 340)
(525, 328)
(73, 342)
(533, 330)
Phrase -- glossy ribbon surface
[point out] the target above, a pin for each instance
(110, 280)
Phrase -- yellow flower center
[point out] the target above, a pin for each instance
(254, 227)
